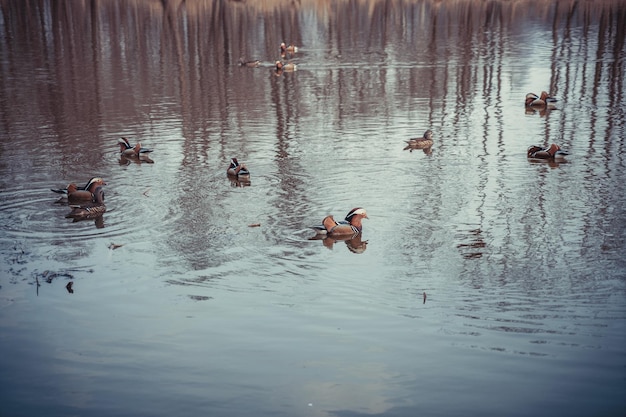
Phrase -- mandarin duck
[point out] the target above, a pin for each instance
(281, 66)
(551, 152)
(351, 225)
(75, 193)
(236, 169)
(424, 142)
(544, 100)
(291, 49)
(251, 64)
(89, 210)
(78, 187)
(130, 151)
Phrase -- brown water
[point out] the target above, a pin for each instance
(197, 313)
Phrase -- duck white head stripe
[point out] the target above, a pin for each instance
(355, 211)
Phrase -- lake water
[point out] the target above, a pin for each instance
(483, 283)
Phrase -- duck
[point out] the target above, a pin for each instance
(351, 225)
(236, 169)
(281, 66)
(78, 187)
(551, 152)
(291, 49)
(130, 151)
(75, 193)
(251, 64)
(544, 100)
(424, 142)
(89, 210)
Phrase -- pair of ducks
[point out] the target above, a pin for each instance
(284, 51)
(86, 202)
(279, 66)
(553, 151)
(348, 227)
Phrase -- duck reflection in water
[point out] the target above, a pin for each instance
(355, 242)
(125, 160)
(543, 111)
(236, 181)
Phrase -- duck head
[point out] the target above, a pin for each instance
(532, 150)
(356, 212)
(355, 216)
(93, 183)
(530, 98)
(124, 144)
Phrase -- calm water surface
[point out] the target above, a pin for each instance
(198, 313)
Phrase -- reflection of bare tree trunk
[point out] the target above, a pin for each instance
(172, 36)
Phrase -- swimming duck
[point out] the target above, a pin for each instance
(77, 187)
(74, 192)
(281, 66)
(320, 229)
(90, 210)
(130, 151)
(75, 195)
(251, 64)
(237, 169)
(424, 142)
(292, 49)
(350, 226)
(533, 100)
(551, 152)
